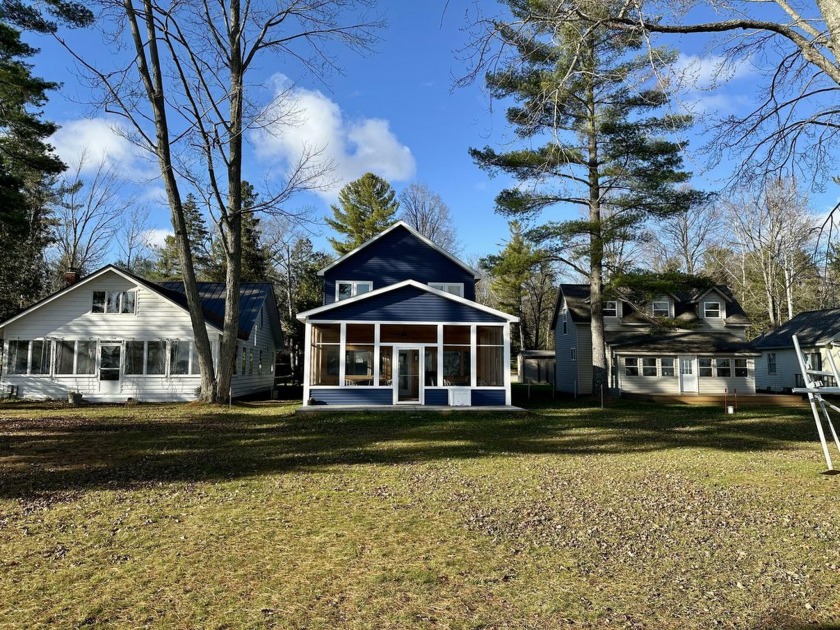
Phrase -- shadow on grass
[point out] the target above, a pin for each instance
(123, 449)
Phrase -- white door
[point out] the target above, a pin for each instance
(688, 375)
(110, 367)
(409, 370)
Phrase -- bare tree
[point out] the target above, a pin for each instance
(772, 231)
(794, 123)
(88, 214)
(184, 97)
(425, 211)
(133, 237)
(680, 242)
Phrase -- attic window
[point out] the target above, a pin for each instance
(455, 288)
(350, 288)
(611, 309)
(113, 302)
(711, 310)
(661, 309)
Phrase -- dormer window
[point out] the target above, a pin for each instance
(611, 309)
(455, 288)
(711, 310)
(351, 288)
(661, 309)
(113, 302)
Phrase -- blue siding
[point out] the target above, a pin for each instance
(438, 397)
(409, 304)
(488, 397)
(398, 256)
(353, 396)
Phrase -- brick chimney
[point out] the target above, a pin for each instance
(71, 276)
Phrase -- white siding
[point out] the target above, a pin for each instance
(69, 317)
(787, 366)
(713, 322)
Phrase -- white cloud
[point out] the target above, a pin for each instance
(156, 237)
(714, 104)
(352, 147)
(97, 141)
(706, 73)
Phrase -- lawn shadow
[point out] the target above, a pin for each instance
(120, 450)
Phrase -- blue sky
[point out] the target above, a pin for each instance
(392, 111)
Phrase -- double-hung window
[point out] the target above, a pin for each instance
(711, 310)
(661, 309)
(611, 309)
(631, 366)
(351, 288)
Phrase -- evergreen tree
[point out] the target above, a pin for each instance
(598, 143)
(366, 207)
(27, 171)
(167, 265)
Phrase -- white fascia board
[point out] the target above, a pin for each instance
(432, 244)
(307, 315)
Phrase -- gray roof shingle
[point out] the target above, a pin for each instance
(813, 328)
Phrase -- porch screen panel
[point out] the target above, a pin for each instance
(324, 358)
(411, 333)
(18, 356)
(85, 357)
(358, 356)
(490, 356)
(134, 353)
(456, 356)
(64, 356)
(386, 374)
(41, 357)
(156, 357)
(431, 366)
(179, 357)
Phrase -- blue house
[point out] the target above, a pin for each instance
(400, 325)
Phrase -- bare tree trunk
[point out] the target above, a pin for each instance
(152, 77)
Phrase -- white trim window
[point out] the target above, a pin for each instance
(182, 359)
(649, 366)
(631, 366)
(661, 308)
(771, 362)
(712, 310)
(667, 366)
(455, 288)
(145, 358)
(573, 354)
(351, 288)
(742, 368)
(114, 302)
(30, 357)
(610, 308)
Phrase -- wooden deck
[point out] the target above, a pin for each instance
(742, 400)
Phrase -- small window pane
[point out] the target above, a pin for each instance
(649, 366)
(112, 302)
(712, 309)
(705, 367)
(490, 336)
(611, 309)
(345, 290)
(631, 366)
(667, 364)
(362, 287)
(98, 302)
(723, 368)
(741, 369)
(128, 302)
(431, 366)
(661, 309)
(456, 334)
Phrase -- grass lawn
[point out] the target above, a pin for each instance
(637, 516)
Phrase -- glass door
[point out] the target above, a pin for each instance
(408, 375)
(110, 355)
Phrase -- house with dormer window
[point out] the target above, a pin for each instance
(400, 326)
(706, 353)
(113, 335)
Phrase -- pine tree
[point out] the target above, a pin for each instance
(366, 207)
(598, 142)
(27, 171)
(167, 265)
